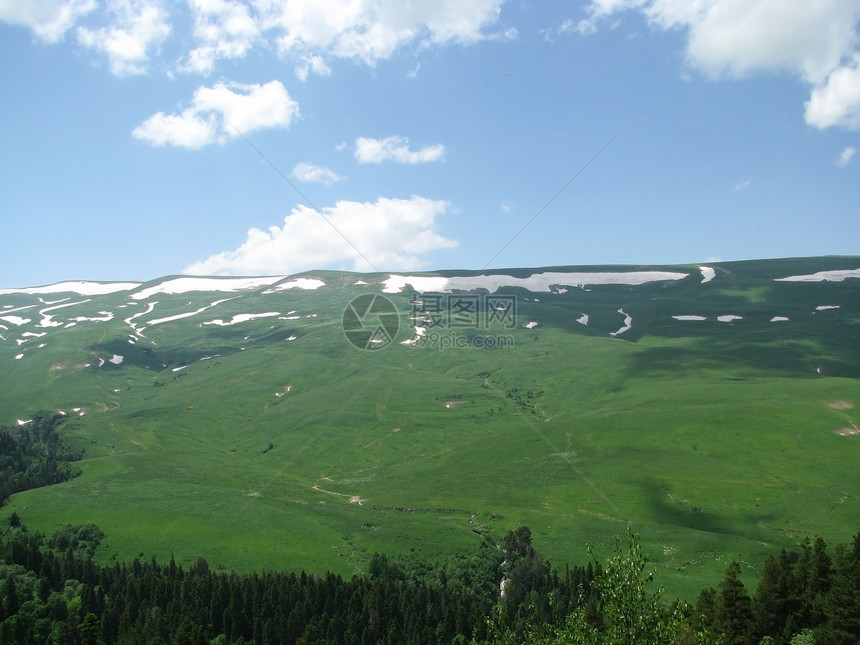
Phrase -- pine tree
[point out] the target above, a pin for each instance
(842, 605)
(732, 610)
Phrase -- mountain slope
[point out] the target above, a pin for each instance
(307, 421)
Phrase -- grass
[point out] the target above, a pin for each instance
(717, 441)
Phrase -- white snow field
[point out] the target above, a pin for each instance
(823, 276)
(298, 283)
(80, 287)
(708, 274)
(184, 285)
(240, 318)
(535, 282)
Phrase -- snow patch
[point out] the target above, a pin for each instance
(531, 324)
(826, 307)
(116, 359)
(628, 323)
(583, 319)
(420, 332)
(47, 320)
(690, 317)
(240, 318)
(729, 318)
(823, 276)
(128, 321)
(188, 314)
(779, 319)
(298, 283)
(15, 320)
(79, 287)
(708, 274)
(535, 282)
(184, 285)
(105, 317)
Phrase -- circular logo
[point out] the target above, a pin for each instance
(370, 321)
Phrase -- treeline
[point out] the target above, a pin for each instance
(51, 591)
(32, 455)
(50, 596)
(801, 597)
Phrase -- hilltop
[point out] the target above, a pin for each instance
(308, 421)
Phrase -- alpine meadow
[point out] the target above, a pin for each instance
(249, 421)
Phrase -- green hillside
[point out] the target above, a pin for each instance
(716, 410)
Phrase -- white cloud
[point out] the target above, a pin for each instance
(815, 40)
(846, 156)
(137, 27)
(836, 102)
(368, 150)
(743, 185)
(49, 19)
(308, 31)
(370, 30)
(308, 64)
(225, 30)
(310, 172)
(392, 234)
(584, 27)
(217, 112)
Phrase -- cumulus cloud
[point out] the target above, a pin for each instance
(308, 64)
(368, 150)
(48, 19)
(311, 173)
(846, 156)
(308, 31)
(836, 102)
(225, 29)
(369, 30)
(817, 41)
(217, 112)
(137, 27)
(392, 234)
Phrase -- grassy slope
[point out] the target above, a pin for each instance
(716, 440)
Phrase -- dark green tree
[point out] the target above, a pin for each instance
(842, 604)
(732, 610)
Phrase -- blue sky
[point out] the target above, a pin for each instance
(141, 139)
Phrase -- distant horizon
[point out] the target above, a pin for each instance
(281, 276)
